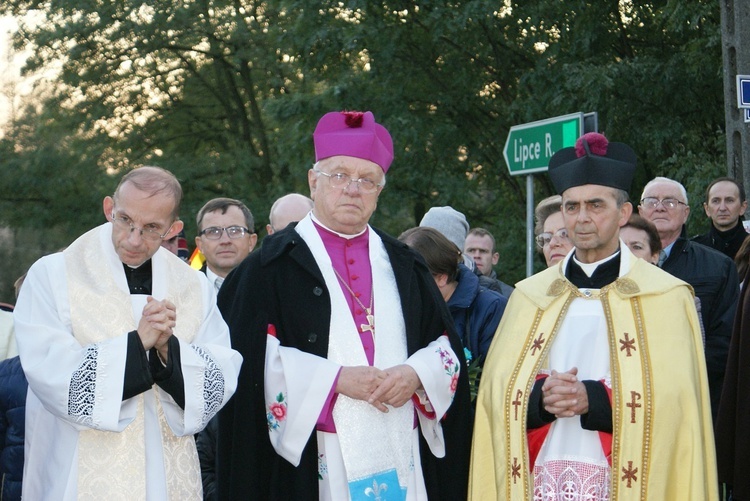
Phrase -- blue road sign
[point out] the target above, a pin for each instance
(743, 91)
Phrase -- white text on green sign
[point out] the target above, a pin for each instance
(530, 146)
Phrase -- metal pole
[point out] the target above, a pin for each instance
(735, 35)
(529, 225)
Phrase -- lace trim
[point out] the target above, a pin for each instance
(566, 480)
(213, 384)
(82, 392)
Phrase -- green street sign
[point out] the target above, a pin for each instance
(530, 146)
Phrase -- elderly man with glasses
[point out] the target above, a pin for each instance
(126, 354)
(713, 275)
(354, 383)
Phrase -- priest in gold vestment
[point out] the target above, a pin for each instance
(595, 385)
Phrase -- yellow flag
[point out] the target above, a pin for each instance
(197, 259)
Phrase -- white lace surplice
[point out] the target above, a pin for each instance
(571, 465)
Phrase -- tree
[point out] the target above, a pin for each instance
(226, 95)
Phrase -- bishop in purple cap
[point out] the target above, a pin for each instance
(351, 359)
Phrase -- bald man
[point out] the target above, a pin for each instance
(289, 208)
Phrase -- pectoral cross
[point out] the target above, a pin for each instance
(370, 325)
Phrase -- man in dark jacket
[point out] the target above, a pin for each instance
(351, 359)
(226, 235)
(711, 273)
(725, 205)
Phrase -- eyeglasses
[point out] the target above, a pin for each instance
(545, 238)
(667, 203)
(150, 234)
(214, 232)
(342, 181)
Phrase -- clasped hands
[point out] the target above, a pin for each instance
(564, 395)
(393, 386)
(155, 327)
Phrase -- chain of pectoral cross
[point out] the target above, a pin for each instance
(370, 325)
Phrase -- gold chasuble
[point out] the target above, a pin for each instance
(662, 441)
(113, 465)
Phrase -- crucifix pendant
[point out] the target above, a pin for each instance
(370, 325)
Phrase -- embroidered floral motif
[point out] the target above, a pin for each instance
(213, 384)
(322, 467)
(454, 383)
(451, 368)
(82, 392)
(276, 412)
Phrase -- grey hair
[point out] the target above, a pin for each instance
(660, 179)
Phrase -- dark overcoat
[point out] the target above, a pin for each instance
(733, 422)
(281, 284)
(713, 277)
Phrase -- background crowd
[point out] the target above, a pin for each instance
(333, 358)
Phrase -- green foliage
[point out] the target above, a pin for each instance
(475, 374)
(226, 95)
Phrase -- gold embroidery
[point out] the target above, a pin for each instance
(616, 383)
(647, 394)
(638, 379)
(557, 287)
(511, 444)
(627, 286)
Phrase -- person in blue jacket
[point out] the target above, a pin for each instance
(476, 311)
(13, 387)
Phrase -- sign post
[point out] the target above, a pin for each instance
(528, 149)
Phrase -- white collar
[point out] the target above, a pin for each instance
(624, 251)
(346, 237)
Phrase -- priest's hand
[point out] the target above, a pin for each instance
(359, 382)
(399, 386)
(157, 321)
(564, 395)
